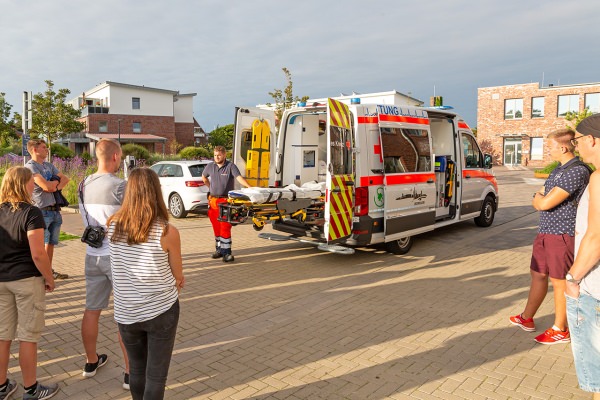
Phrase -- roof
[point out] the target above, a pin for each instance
(127, 137)
(126, 85)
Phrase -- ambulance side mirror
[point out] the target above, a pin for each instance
(487, 161)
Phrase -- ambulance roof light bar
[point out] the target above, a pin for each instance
(442, 107)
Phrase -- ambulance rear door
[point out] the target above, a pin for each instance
(339, 199)
(409, 178)
(254, 135)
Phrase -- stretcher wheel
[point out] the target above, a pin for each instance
(258, 228)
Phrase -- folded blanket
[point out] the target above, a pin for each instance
(259, 195)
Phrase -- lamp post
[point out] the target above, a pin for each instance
(119, 130)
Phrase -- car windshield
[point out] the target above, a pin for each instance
(196, 170)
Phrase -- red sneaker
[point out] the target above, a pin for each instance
(525, 324)
(552, 336)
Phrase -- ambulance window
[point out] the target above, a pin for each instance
(405, 150)
(341, 150)
(473, 158)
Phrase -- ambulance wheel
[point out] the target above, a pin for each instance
(488, 212)
(176, 207)
(400, 246)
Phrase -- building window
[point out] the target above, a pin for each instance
(568, 103)
(135, 103)
(102, 126)
(513, 108)
(592, 102)
(537, 148)
(537, 107)
(137, 127)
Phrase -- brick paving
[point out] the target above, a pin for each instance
(286, 321)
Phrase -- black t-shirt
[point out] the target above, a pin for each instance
(15, 255)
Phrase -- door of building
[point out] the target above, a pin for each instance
(512, 151)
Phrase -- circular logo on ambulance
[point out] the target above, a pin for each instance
(379, 197)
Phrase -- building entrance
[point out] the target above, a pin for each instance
(512, 151)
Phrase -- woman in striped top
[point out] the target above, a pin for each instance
(145, 257)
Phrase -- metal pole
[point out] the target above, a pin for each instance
(119, 130)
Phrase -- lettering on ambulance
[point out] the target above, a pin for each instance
(474, 182)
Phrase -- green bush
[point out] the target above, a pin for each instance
(548, 168)
(194, 153)
(139, 152)
(85, 156)
(58, 150)
(156, 157)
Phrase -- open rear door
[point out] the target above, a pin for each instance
(254, 130)
(339, 200)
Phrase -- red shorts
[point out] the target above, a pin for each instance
(553, 254)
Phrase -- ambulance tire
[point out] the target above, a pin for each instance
(488, 211)
(400, 246)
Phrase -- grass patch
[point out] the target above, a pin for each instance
(67, 236)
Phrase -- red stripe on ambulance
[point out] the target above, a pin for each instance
(402, 118)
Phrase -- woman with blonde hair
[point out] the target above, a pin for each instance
(25, 276)
(145, 257)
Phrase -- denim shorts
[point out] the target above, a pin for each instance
(583, 315)
(53, 221)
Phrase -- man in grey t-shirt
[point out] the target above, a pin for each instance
(44, 176)
(102, 194)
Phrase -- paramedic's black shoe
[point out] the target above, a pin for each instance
(227, 258)
(216, 254)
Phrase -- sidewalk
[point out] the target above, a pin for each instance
(286, 321)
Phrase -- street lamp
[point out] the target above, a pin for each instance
(119, 130)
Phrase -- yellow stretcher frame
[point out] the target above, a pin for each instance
(261, 213)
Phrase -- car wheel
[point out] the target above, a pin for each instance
(488, 212)
(176, 207)
(400, 246)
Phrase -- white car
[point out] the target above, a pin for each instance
(182, 187)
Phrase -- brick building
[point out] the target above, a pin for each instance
(151, 117)
(516, 118)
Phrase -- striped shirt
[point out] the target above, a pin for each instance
(143, 284)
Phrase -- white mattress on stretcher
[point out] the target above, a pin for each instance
(259, 195)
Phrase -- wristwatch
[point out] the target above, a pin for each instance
(570, 278)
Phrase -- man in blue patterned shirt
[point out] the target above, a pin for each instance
(553, 247)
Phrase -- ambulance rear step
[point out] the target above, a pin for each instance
(333, 248)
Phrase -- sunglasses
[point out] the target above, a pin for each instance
(575, 140)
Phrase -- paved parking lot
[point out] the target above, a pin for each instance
(286, 321)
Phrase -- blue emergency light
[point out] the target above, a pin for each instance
(355, 100)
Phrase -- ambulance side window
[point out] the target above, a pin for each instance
(473, 157)
(405, 150)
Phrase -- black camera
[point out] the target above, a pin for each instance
(93, 235)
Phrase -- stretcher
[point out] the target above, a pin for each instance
(303, 203)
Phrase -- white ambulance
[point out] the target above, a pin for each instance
(390, 171)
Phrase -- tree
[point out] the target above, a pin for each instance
(285, 98)
(222, 136)
(7, 125)
(574, 118)
(52, 117)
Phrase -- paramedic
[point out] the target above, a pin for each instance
(583, 280)
(553, 247)
(222, 174)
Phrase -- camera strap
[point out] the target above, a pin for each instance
(80, 190)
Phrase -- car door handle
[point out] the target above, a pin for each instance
(468, 176)
(430, 181)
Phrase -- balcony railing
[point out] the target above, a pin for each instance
(93, 110)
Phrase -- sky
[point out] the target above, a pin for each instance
(231, 52)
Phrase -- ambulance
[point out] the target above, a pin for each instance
(390, 172)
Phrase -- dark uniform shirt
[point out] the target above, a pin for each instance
(572, 179)
(222, 180)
